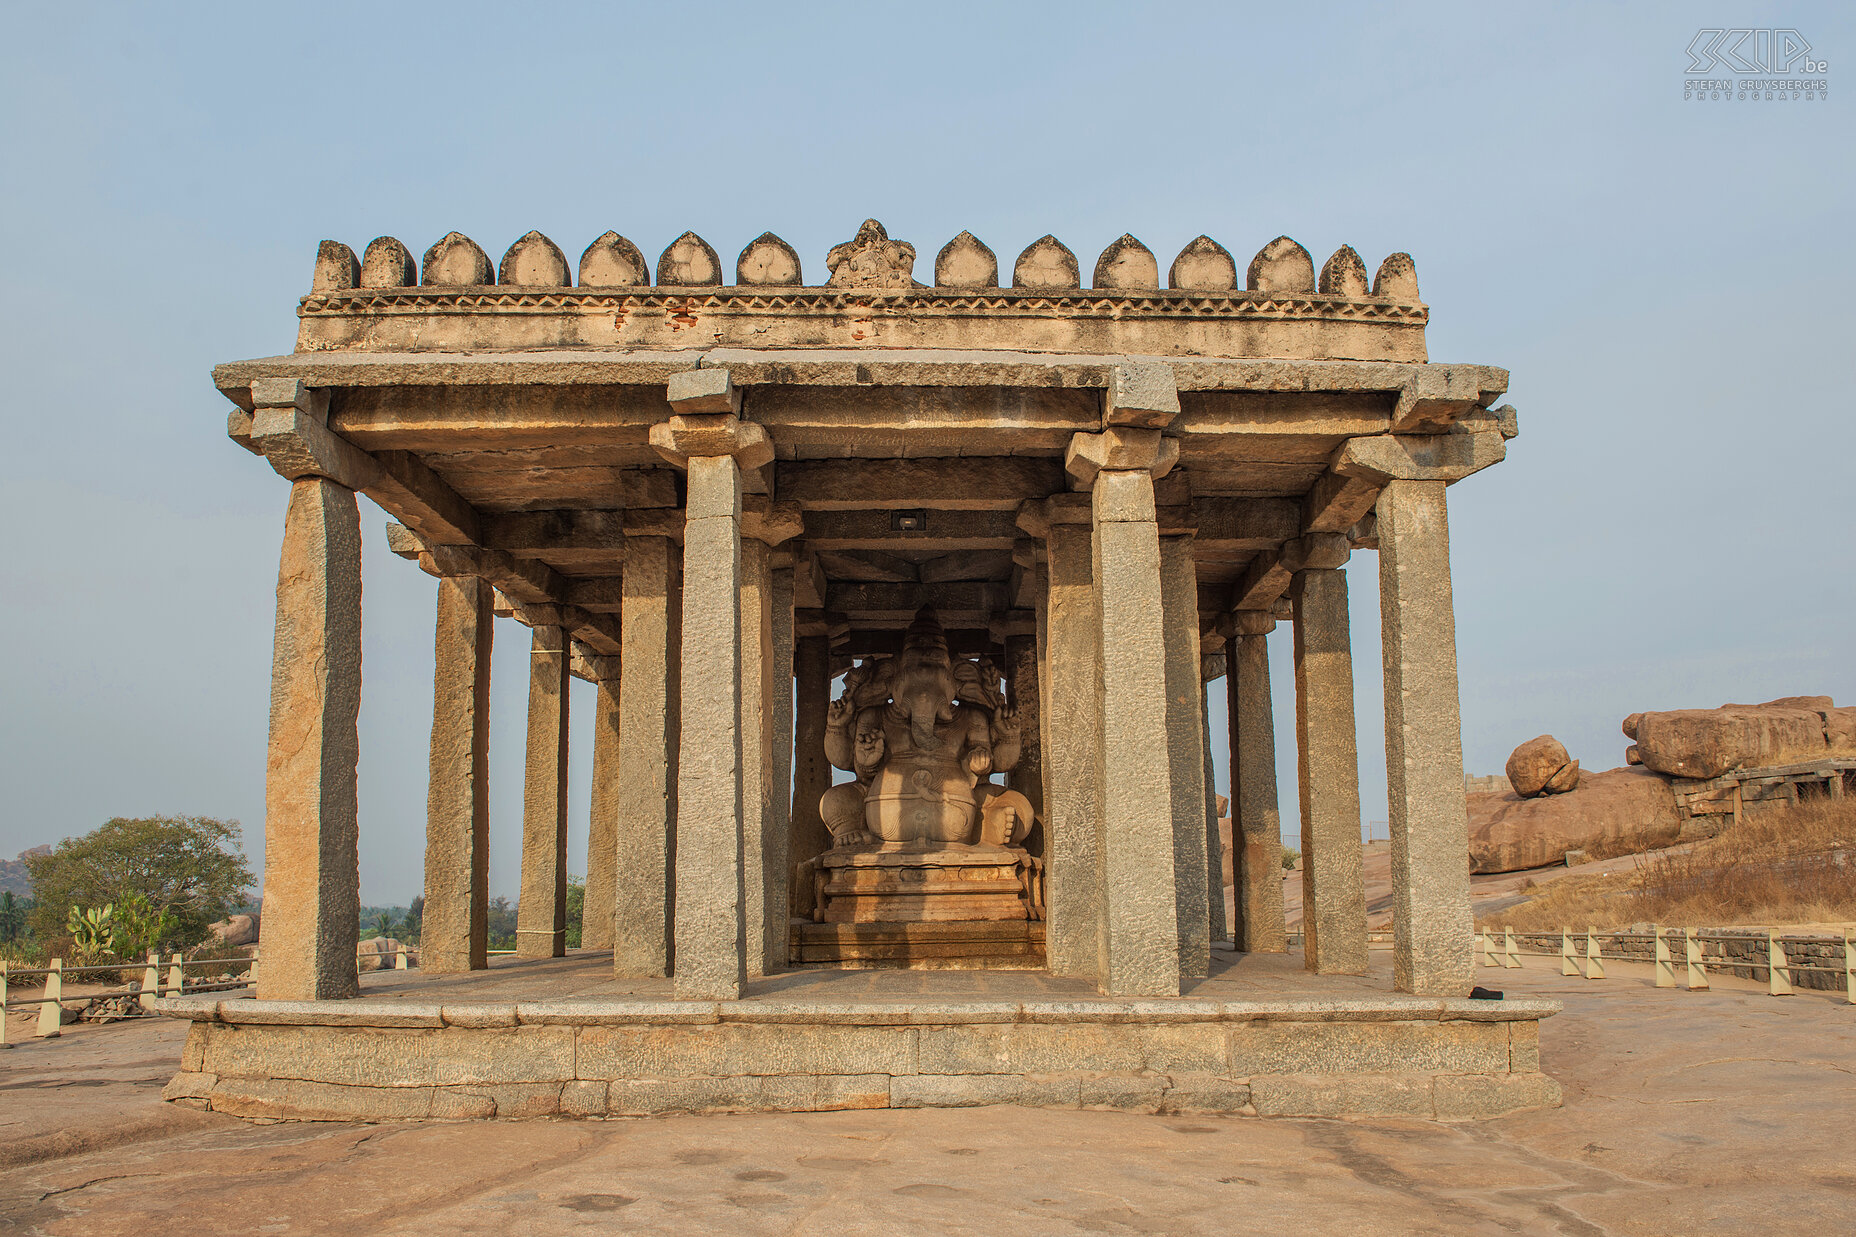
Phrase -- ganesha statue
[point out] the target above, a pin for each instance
(923, 732)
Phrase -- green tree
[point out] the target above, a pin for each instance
(13, 911)
(576, 909)
(187, 870)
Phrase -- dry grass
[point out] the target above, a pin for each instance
(1786, 866)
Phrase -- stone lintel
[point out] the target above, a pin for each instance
(1437, 395)
(697, 392)
(773, 523)
(1119, 448)
(1317, 551)
(300, 444)
(819, 622)
(1419, 457)
(1336, 502)
(402, 541)
(1252, 623)
(1140, 394)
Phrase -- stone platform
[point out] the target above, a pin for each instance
(999, 944)
(1260, 1037)
(916, 884)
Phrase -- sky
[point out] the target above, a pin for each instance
(1668, 281)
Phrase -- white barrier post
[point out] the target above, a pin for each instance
(51, 1014)
(1594, 965)
(1665, 972)
(1778, 974)
(1488, 949)
(1569, 962)
(1697, 970)
(1511, 955)
(399, 959)
(4, 1041)
(151, 981)
(177, 976)
(1849, 969)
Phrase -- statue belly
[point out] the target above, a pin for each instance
(925, 801)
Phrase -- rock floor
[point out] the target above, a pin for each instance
(1692, 1113)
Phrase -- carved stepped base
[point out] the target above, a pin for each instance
(914, 884)
(999, 944)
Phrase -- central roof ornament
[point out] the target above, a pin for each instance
(872, 260)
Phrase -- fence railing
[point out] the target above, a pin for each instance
(158, 979)
(1586, 954)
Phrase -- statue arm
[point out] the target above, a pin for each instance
(838, 741)
(1007, 743)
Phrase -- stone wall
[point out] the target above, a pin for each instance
(362, 1060)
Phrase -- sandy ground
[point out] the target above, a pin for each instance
(1686, 1113)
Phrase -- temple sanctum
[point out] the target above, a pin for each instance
(901, 598)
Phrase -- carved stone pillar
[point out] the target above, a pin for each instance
(1185, 746)
(311, 869)
(779, 857)
(602, 834)
(811, 771)
(761, 851)
(1220, 927)
(1256, 833)
(1139, 919)
(1021, 688)
(541, 915)
(708, 437)
(1071, 753)
(1424, 747)
(649, 663)
(454, 931)
(1333, 889)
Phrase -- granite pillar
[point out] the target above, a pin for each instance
(602, 835)
(1139, 942)
(711, 947)
(1220, 927)
(811, 771)
(1072, 754)
(1021, 692)
(1256, 821)
(1431, 921)
(779, 860)
(1333, 890)
(311, 868)
(541, 914)
(1185, 747)
(454, 933)
(649, 663)
(759, 848)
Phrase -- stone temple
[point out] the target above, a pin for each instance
(1025, 521)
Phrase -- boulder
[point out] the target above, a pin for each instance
(1705, 743)
(1612, 813)
(1542, 766)
(377, 954)
(236, 930)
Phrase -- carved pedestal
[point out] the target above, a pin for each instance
(925, 883)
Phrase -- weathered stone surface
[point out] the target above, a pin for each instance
(1138, 911)
(456, 261)
(1126, 263)
(1043, 1048)
(1185, 748)
(387, 264)
(1282, 266)
(777, 854)
(294, 1100)
(1046, 263)
(689, 262)
(457, 820)
(1333, 888)
(1303, 1047)
(534, 261)
(978, 1090)
(1542, 766)
(649, 729)
(711, 948)
(811, 770)
(1424, 749)
(312, 879)
(1344, 274)
(1611, 813)
(966, 262)
(1257, 841)
(1203, 266)
(611, 261)
(763, 838)
(337, 268)
(1397, 279)
(1072, 753)
(1461, 1097)
(541, 913)
(872, 260)
(1141, 395)
(767, 261)
(602, 840)
(730, 1050)
(1705, 743)
(391, 1058)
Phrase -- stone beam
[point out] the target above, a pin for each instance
(872, 565)
(901, 601)
(422, 500)
(1435, 396)
(868, 642)
(1419, 457)
(850, 529)
(288, 426)
(980, 483)
(1231, 525)
(1335, 503)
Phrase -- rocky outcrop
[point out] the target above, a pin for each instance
(1705, 743)
(236, 929)
(1542, 766)
(1611, 813)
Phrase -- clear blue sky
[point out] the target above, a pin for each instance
(1669, 281)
